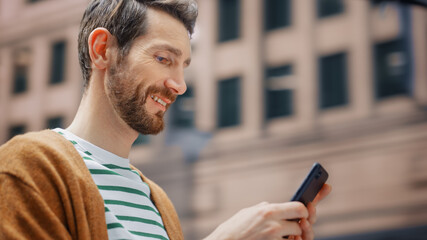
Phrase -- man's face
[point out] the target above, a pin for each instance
(142, 86)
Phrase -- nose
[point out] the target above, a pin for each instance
(176, 84)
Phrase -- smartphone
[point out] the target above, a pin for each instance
(311, 184)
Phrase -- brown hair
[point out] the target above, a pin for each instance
(125, 19)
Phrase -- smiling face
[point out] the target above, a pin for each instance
(142, 86)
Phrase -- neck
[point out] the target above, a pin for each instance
(98, 123)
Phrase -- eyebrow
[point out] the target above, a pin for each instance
(173, 50)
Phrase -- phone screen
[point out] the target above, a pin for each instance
(311, 184)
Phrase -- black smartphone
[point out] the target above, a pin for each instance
(311, 184)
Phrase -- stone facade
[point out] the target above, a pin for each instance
(374, 148)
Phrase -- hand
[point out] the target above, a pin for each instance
(307, 231)
(271, 221)
(263, 221)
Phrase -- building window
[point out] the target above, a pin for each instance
(277, 14)
(183, 110)
(142, 139)
(58, 62)
(326, 8)
(278, 91)
(16, 130)
(21, 58)
(229, 102)
(34, 1)
(228, 15)
(391, 69)
(55, 122)
(333, 90)
(375, 3)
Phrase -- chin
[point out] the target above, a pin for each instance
(150, 126)
(154, 130)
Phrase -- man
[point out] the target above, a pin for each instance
(78, 183)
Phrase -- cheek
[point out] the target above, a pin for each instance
(150, 77)
(126, 87)
(154, 82)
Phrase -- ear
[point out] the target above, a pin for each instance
(98, 44)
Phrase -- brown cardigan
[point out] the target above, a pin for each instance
(46, 192)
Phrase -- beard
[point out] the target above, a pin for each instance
(128, 100)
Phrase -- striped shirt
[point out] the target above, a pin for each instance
(129, 211)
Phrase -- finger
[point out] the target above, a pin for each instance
(307, 230)
(262, 204)
(324, 191)
(293, 237)
(290, 237)
(312, 216)
(290, 228)
(305, 225)
(290, 210)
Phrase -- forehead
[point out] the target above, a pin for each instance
(164, 28)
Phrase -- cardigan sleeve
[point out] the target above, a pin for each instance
(46, 191)
(25, 214)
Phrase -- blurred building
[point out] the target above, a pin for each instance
(274, 86)
(40, 79)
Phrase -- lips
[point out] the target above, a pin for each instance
(161, 102)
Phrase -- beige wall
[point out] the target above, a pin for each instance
(374, 150)
(36, 27)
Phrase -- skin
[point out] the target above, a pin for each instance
(272, 221)
(117, 104)
(156, 60)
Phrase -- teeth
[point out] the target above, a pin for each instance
(155, 98)
(161, 102)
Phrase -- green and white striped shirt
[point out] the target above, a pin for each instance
(129, 211)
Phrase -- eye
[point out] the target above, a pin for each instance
(163, 60)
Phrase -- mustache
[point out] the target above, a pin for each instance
(161, 91)
(117, 74)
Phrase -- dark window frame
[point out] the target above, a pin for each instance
(21, 67)
(229, 28)
(58, 62)
(17, 129)
(141, 140)
(273, 18)
(33, 1)
(390, 86)
(20, 79)
(283, 98)
(324, 12)
(337, 92)
(229, 112)
(55, 122)
(184, 118)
